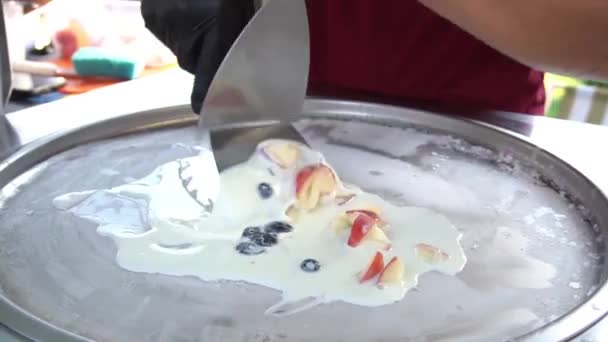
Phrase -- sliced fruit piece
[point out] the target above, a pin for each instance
(378, 235)
(342, 199)
(305, 198)
(303, 178)
(431, 254)
(293, 213)
(324, 180)
(392, 273)
(369, 211)
(362, 225)
(341, 223)
(283, 154)
(312, 183)
(373, 268)
(308, 199)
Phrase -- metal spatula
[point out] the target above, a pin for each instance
(262, 81)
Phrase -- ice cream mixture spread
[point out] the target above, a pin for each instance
(283, 219)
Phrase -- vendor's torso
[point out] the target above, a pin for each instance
(400, 49)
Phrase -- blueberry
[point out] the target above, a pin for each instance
(278, 227)
(310, 265)
(249, 248)
(265, 239)
(265, 190)
(250, 232)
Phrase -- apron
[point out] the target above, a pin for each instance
(399, 49)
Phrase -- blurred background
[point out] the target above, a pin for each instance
(59, 32)
(52, 36)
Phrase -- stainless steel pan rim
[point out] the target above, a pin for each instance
(568, 326)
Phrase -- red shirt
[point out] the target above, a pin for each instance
(401, 49)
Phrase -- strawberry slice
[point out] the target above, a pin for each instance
(374, 268)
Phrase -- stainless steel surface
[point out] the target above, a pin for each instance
(236, 145)
(582, 145)
(565, 176)
(8, 140)
(264, 76)
(5, 66)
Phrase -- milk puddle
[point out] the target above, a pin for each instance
(282, 219)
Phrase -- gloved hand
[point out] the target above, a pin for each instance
(199, 33)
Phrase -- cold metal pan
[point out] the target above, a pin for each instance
(534, 233)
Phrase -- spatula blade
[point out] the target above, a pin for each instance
(262, 79)
(236, 145)
(264, 76)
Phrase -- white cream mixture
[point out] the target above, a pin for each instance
(176, 222)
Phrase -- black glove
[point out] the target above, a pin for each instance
(199, 33)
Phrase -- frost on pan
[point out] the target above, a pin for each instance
(482, 191)
(283, 219)
(434, 157)
(13, 187)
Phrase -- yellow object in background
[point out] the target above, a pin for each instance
(72, 38)
(576, 100)
(82, 38)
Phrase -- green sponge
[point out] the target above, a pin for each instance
(93, 61)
